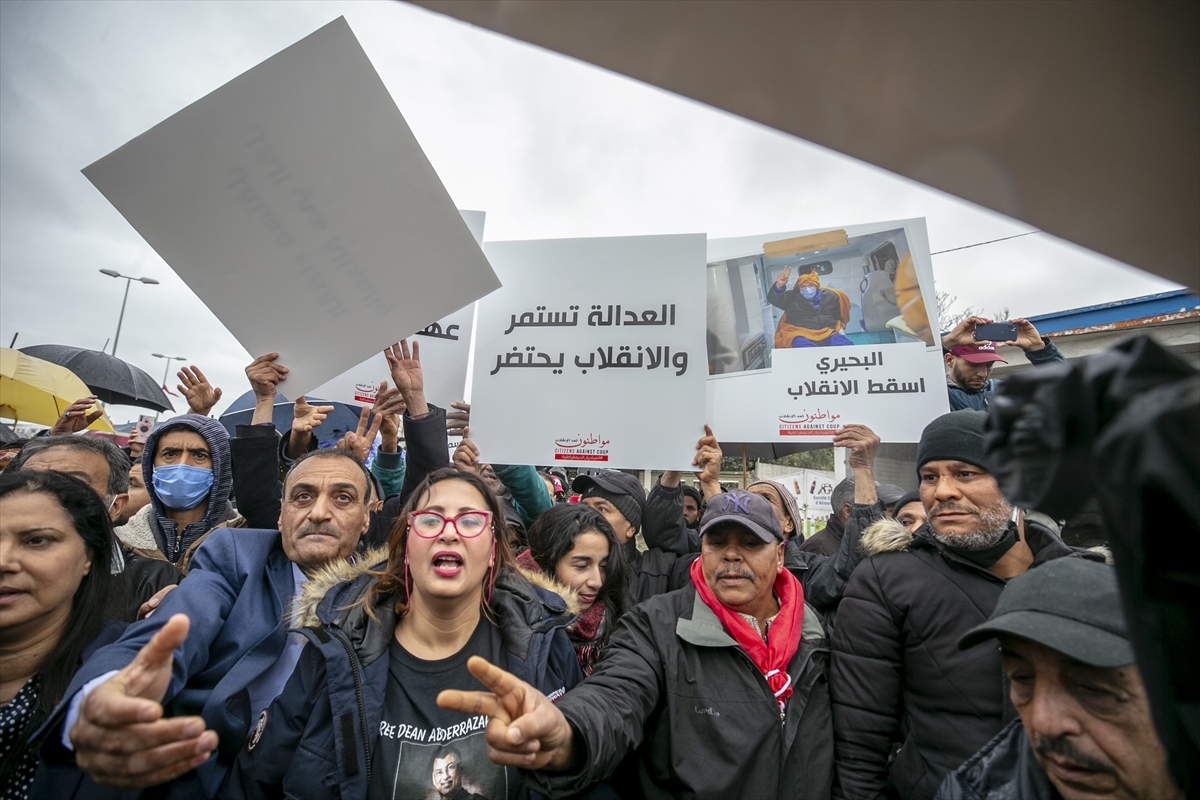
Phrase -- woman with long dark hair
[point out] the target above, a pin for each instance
(574, 553)
(56, 583)
(359, 715)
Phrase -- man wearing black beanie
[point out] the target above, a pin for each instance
(897, 674)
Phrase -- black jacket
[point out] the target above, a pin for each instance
(824, 577)
(1005, 769)
(898, 675)
(675, 689)
(320, 733)
(664, 566)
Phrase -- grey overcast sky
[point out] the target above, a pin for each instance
(549, 147)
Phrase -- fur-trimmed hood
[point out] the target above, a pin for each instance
(541, 580)
(303, 613)
(885, 536)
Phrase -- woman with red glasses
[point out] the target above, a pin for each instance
(358, 717)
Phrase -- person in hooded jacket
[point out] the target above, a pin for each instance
(187, 471)
(358, 717)
(898, 677)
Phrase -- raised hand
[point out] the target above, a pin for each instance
(77, 416)
(524, 728)
(359, 441)
(389, 405)
(466, 455)
(305, 418)
(708, 459)
(863, 444)
(1028, 338)
(121, 737)
(201, 395)
(781, 281)
(964, 332)
(458, 419)
(265, 375)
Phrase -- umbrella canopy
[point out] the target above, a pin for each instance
(343, 418)
(8, 435)
(33, 390)
(767, 450)
(108, 377)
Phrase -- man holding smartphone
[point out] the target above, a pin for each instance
(969, 357)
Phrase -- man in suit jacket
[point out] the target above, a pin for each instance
(153, 707)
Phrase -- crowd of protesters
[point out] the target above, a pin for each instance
(202, 616)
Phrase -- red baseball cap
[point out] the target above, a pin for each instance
(981, 353)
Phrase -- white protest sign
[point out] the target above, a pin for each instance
(806, 334)
(592, 354)
(445, 347)
(297, 204)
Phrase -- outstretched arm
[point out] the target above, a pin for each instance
(524, 728)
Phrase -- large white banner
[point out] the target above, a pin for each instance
(445, 348)
(811, 330)
(297, 204)
(592, 354)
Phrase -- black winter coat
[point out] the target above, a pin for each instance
(1005, 769)
(320, 733)
(675, 689)
(898, 676)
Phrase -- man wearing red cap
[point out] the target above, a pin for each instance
(969, 363)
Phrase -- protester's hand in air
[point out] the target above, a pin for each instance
(708, 461)
(458, 419)
(147, 608)
(306, 418)
(389, 405)
(122, 738)
(466, 455)
(524, 728)
(964, 332)
(1028, 338)
(863, 444)
(360, 440)
(77, 416)
(201, 395)
(265, 375)
(781, 281)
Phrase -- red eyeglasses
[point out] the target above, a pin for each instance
(430, 524)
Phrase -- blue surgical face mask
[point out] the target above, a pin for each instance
(181, 487)
(808, 292)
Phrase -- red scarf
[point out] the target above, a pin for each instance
(783, 637)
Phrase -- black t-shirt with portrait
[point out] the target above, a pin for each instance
(428, 752)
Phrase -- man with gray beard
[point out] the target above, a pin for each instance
(908, 705)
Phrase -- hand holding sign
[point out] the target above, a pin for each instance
(525, 729)
(121, 737)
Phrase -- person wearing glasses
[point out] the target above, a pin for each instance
(359, 717)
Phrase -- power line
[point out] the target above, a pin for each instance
(980, 244)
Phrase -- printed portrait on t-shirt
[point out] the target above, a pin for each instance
(446, 770)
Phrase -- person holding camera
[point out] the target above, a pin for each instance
(969, 360)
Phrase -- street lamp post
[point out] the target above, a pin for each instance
(112, 273)
(166, 370)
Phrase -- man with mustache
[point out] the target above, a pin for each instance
(195, 678)
(714, 690)
(1084, 731)
(908, 705)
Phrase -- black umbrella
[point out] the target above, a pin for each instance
(8, 435)
(108, 377)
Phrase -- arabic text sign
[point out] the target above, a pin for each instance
(297, 204)
(811, 393)
(592, 353)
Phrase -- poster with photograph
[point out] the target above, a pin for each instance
(457, 769)
(445, 349)
(797, 322)
(592, 353)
